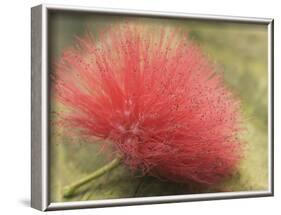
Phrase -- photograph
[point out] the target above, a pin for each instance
(142, 106)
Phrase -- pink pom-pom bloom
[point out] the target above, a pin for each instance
(156, 98)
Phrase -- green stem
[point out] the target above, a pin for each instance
(70, 189)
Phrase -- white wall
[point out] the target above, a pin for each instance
(15, 104)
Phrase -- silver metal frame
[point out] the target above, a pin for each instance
(39, 129)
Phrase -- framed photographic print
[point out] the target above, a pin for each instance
(141, 107)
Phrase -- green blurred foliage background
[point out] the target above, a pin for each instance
(239, 49)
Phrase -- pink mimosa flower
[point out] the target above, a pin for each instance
(156, 98)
